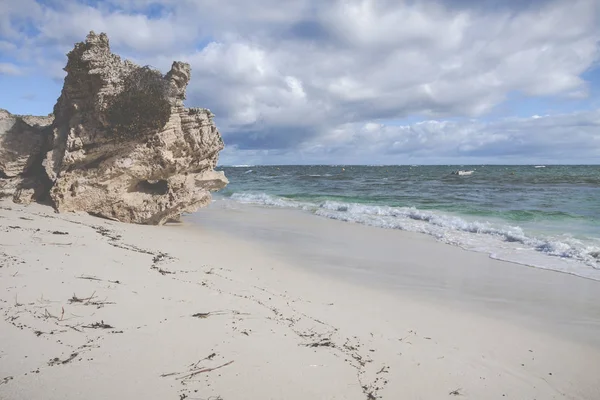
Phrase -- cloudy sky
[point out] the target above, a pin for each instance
(344, 81)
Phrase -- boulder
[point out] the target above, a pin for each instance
(122, 145)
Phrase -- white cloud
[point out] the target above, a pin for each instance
(14, 14)
(544, 137)
(9, 69)
(391, 61)
(134, 32)
(6, 47)
(300, 74)
(571, 138)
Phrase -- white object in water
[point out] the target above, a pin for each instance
(539, 166)
(462, 173)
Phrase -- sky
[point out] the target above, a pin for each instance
(344, 81)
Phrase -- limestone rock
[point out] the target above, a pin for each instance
(123, 146)
(22, 141)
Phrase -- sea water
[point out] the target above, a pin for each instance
(542, 216)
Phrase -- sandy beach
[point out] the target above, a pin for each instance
(242, 302)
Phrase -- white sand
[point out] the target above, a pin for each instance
(265, 312)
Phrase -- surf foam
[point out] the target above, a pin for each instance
(502, 241)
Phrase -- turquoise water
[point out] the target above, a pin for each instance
(547, 216)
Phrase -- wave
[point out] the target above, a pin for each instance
(492, 238)
(268, 200)
(317, 175)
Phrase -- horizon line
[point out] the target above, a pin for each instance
(402, 165)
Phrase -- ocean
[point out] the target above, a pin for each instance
(541, 216)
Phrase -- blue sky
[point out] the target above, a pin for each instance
(344, 81)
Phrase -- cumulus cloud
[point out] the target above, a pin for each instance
(15, 16)
(301, 74)
(138, 33)
(9, 69)
(570, 138)
(537, 136)
(366, 60)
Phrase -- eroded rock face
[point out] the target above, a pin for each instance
(122, 144)
(22, 143)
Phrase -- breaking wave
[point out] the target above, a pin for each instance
(500, 240)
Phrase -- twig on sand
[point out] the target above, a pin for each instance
(91, 278)
(203, 315)
(5, 380)
(42, 300)
(321, 343)
(455, 392)
(162, 271)
(56, 360)
(88, 301)
(169, 374)
(209, 357)
(200, 371)
(98, 325)
(48, 315)
(76, 299)
(74, 328)
(193, 371)
(384, 369)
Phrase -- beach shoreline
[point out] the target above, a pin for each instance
(413, 264)
(216, 307)
(544, 218)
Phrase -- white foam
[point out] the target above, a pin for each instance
(502, 241)
(268, 200)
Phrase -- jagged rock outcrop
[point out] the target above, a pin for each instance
(23, 139)
(122, 144)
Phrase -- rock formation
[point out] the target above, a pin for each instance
(22, 143)
(122, 145)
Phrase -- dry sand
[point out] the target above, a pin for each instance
(95, 309)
